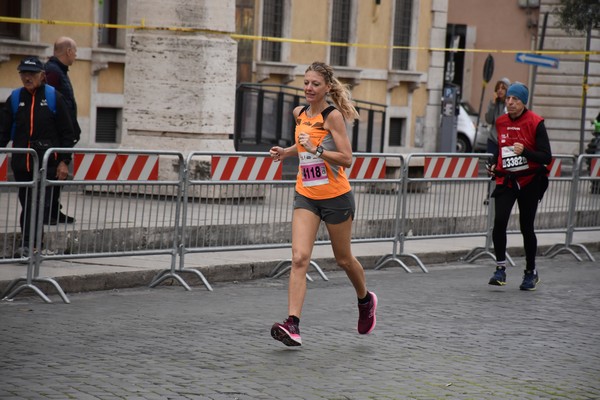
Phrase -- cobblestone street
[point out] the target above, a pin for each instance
(446, 334)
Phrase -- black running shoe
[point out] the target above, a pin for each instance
(499, 277)
(530, 280)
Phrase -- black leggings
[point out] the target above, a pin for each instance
(25, 198)
(527, 198)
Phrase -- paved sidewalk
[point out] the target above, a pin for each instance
(82, 275)
(446, 334)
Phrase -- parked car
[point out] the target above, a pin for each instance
(465, 131)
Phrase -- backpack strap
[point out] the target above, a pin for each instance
(14, 104)
(50, 92)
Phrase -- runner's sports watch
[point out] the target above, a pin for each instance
(319, 151)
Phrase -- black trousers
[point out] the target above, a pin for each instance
(52, 210)
(26, 199)
(528, 199)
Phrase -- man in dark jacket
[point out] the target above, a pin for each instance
(38, 125)
(57, 68)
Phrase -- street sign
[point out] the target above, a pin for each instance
(534, 59)
(488, 68)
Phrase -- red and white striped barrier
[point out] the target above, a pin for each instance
(555, 168)
(3, 167)
(234, 168)
(367, 168)
(115, 167)
(451, 167)
(595, 167)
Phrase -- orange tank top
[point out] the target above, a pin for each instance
(318, 179)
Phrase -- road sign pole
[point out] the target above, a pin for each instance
(541, 47)
(488, 72)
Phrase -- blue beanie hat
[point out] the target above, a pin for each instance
(519, 91)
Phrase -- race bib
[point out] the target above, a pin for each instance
(511, 161)
(313, 170)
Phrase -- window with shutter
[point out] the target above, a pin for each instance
(106, 125)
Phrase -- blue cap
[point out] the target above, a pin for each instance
(519, 91)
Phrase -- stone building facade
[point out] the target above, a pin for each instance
(407, 81)
(505, 28)
(174, 87)
(136, 88)
(559, 92)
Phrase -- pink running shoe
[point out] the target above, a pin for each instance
(366, 315)
(287, 333)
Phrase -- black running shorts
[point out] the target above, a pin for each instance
(332, 211)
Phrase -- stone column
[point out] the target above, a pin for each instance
(435, 74)
(180, 86)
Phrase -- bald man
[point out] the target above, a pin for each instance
(57, 68)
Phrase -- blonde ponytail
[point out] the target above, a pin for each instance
(340, 93)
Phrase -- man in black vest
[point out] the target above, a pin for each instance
(57, 68)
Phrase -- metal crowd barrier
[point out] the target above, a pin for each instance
(240, 202)
(552, 210)
(583, 213)
(214, 202)
(376, 181)
(120, 206)
(449, 200)
(235, 201)
(11, 239)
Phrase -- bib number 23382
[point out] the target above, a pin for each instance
(511, 161)
(313, 172)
